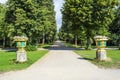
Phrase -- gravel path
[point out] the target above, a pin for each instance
(62, 65)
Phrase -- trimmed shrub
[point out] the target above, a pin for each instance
(30, 48)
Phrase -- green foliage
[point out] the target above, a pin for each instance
(46, 20)
(87, 18)
(34, 18)
(114, 28)
(30, 48)
(2, 15)
(7, 60)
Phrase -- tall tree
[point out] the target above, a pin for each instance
(46, 19)
(21, 15)
(90, 16)
(71, 18)
(33, 18)
(114, 28)
(3, 29)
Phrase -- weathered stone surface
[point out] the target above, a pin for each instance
(101, 55)
(21, 56)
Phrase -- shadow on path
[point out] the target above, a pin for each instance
(86, 59)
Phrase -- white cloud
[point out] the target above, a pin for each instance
(3, 1)
(58, 5)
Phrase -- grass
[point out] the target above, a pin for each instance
(111, 54)
(71, 45)
(7, 60)
(44, 46)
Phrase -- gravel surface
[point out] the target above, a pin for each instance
(62, 65)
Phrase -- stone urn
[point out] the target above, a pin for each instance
(20, 44)
(101, 42)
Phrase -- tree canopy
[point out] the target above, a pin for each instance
(31, 18)
(88, 17)
(114, 28)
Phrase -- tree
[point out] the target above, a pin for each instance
(2, 23)
(91, 17)
(21, 15)
(46, 20)
(71, 18)
(5, 29)
(114, 29)
(33, 18)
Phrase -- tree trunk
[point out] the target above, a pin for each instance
(10, 43)
(43, 40)
(75, 40)
(30, 40)
(4, 42)
(37, 42)
(119, 46)
(88, 45)
(81, 43)
(68, 37)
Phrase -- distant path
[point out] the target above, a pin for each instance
(62, 64)
(61, 46)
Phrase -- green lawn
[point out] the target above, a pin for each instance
(44, 46)
(71, 45)
(111, 54)
(7, 60)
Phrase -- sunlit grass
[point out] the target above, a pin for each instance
(90, 55)
(7, 60)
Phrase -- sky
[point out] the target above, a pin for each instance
(58, 5)
(3, 1)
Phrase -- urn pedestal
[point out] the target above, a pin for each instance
(101, 42)
(20, 44)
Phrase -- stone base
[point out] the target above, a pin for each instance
(21, 56)
(101, 55)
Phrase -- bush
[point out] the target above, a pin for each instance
(30, 48)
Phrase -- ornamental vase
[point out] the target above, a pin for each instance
(20, 44)
(101, 42)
